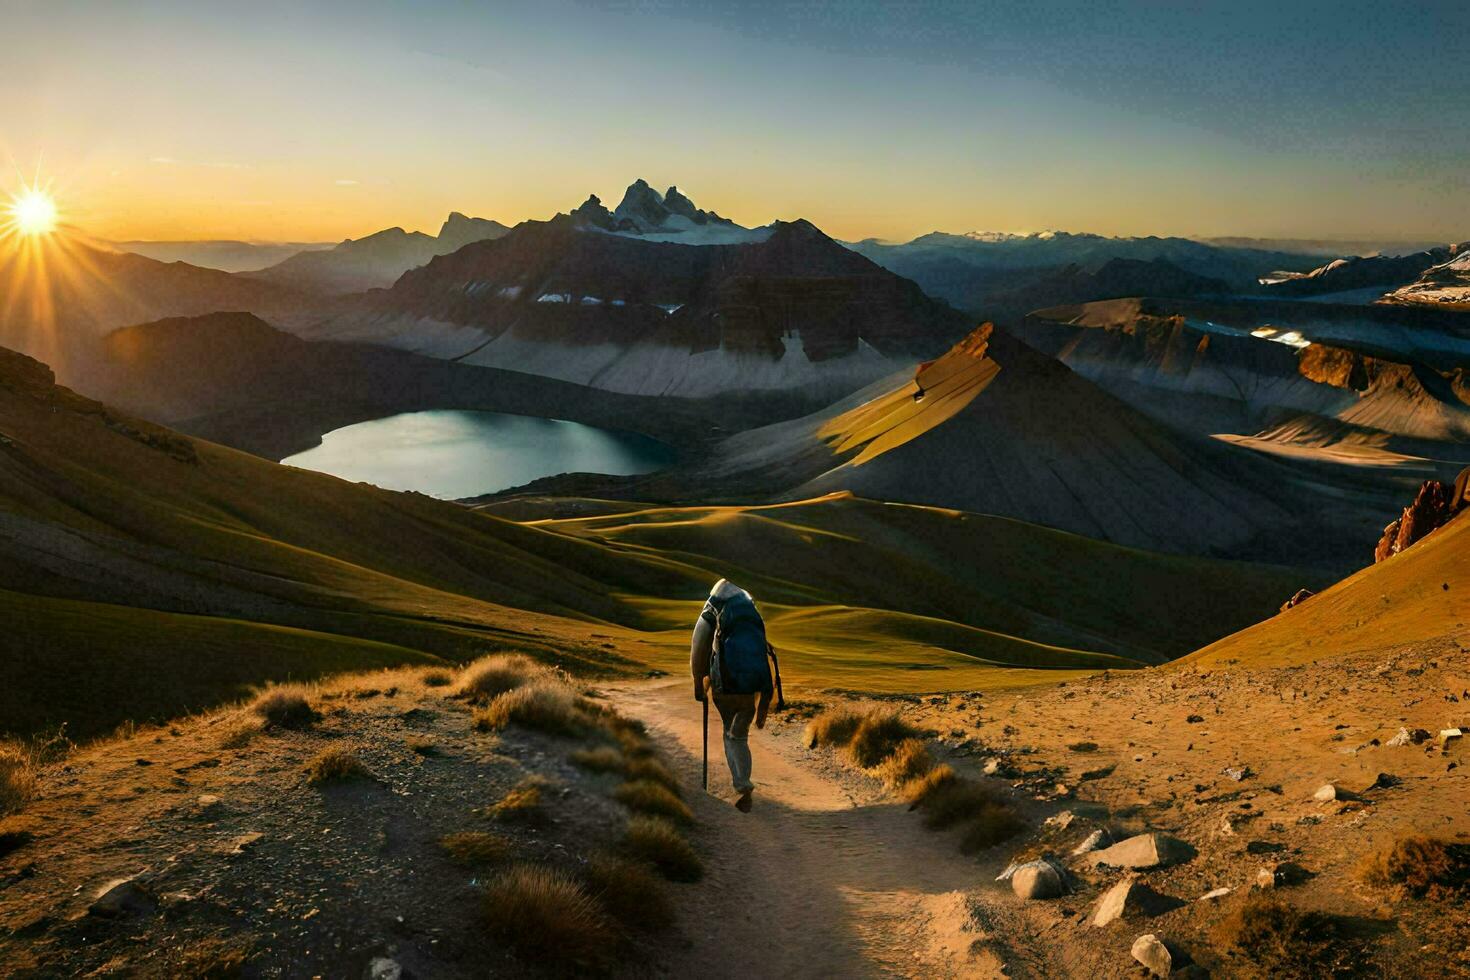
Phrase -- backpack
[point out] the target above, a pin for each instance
(740, 650)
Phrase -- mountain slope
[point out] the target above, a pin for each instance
(1381, 272)
(112, 528)
(379, 259)
(558, 298)
(1447, 283)
(226, 256)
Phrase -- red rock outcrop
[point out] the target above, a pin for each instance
(1432, 508)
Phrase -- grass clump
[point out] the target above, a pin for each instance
(916, 791)
(1421, 866)
(1282, 941)
(630, 892)
(543, 706)
(835, 727)
(285, 706)
(956, 801)
(548, 916)
(658, 842)
(524, 803)
(603, 758)
(492, 676)
(647, 796)
(652, 770)
(17, 777)
(878, 736)
(213, 959)
(238, 730)
(338, 764)
(436, 677)
(909, 761)
(475, 848)
(992, 824)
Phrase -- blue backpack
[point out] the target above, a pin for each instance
(740, 651)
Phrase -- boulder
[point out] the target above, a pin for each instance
(1327, 792)
(383, 968)
(1036, 880)
(1145, 851)
(1149, 950)
(1297, 598)
(1128, 899)
(1280, 875)
(124, 896)
(1095, 841)
(1433, 506)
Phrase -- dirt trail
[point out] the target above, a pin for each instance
(825, 878)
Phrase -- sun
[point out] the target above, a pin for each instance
(33, 212)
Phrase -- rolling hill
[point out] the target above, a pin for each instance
(144, 573)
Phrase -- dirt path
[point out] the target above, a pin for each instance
(825, 878)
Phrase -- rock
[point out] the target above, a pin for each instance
(1407, 736)
(124, 896)
(1195, 720)
(1280, 875)
(1095, 841)
(206, 801)
(1145, 851)
(1327, 792)
(995, 766)
(382, 968)
(1435, 504)
(1129, 898)
(1236, 774)
(1263, 847)
(241, 843)
(1061, 821)
(1149, 950)
(1298, 597)
(1036, 880)
(1213, 894)
(1448, 735)
(1385, 780)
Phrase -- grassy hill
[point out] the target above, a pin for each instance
(144, 574)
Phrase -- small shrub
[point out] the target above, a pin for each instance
(955, 801)
(1421, 866)
(475, 848)
(835, 727)
(655, 840)
(646, 796)
(238, 730)
(630, 892)
(285, 706)
(992, 824)
(877, 737)
(655, 771)
(1286, 942)
(337, 764)
(543, 707)
(436, 677)
(917, 791)
(604, 758)
(548, 916)
(635, 745)
(523, 803)
(492, 676)
(17, 777)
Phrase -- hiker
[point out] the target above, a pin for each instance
(727, 657)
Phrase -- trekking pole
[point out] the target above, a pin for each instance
(705, 778)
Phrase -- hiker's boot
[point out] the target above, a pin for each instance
(744, 802)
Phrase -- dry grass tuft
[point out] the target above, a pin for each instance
(543, 706)
(213, 959)
(285, 706)
(916, 791)
(1282, 941)
(628, 890)
(524, 802)
(654, 799)
(338, 764)
(1421, 866)
(956, 801)
(655, 840)
(17, 777)
(878, 736)
(653, 770)
(476, 848)
(991, 824)
(239, 729)
(436, 677)
(546, 915)
(910, 761)
(604, 758)
(492, 676)
(832, 728)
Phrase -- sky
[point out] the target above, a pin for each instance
(319, 121)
